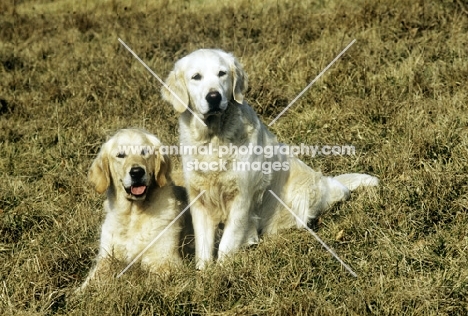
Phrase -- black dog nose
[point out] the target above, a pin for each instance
(213, 99)
(137, 172)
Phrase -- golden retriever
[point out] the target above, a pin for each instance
(141, 203)
(211, 84)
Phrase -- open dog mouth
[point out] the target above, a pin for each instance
(137, 190)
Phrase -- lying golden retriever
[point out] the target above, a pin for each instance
(141, 202)
(210, 84)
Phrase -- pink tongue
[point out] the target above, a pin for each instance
(138, 190)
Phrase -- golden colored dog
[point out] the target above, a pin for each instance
(210, 84)
(141, 202)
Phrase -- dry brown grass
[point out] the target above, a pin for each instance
(399, 95)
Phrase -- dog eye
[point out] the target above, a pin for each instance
(144, 151)
(221, 73)
(196, 77)
(121, 154)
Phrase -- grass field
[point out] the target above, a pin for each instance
(399, 95)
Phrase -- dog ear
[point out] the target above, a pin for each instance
(175, 92)
(164, 168)
(99, 174)
(239, 84)
(162, 163)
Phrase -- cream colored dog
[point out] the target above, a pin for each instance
(210, 84)
(141, 202)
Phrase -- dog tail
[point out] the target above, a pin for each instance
(354, 180)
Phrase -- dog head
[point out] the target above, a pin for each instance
(206, 81)
(130, 161)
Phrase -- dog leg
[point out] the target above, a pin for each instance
(102, 267)
(204, 228)
(355, 180)
(238, 228)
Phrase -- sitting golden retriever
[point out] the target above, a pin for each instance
(141, 203)
(207, 87)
